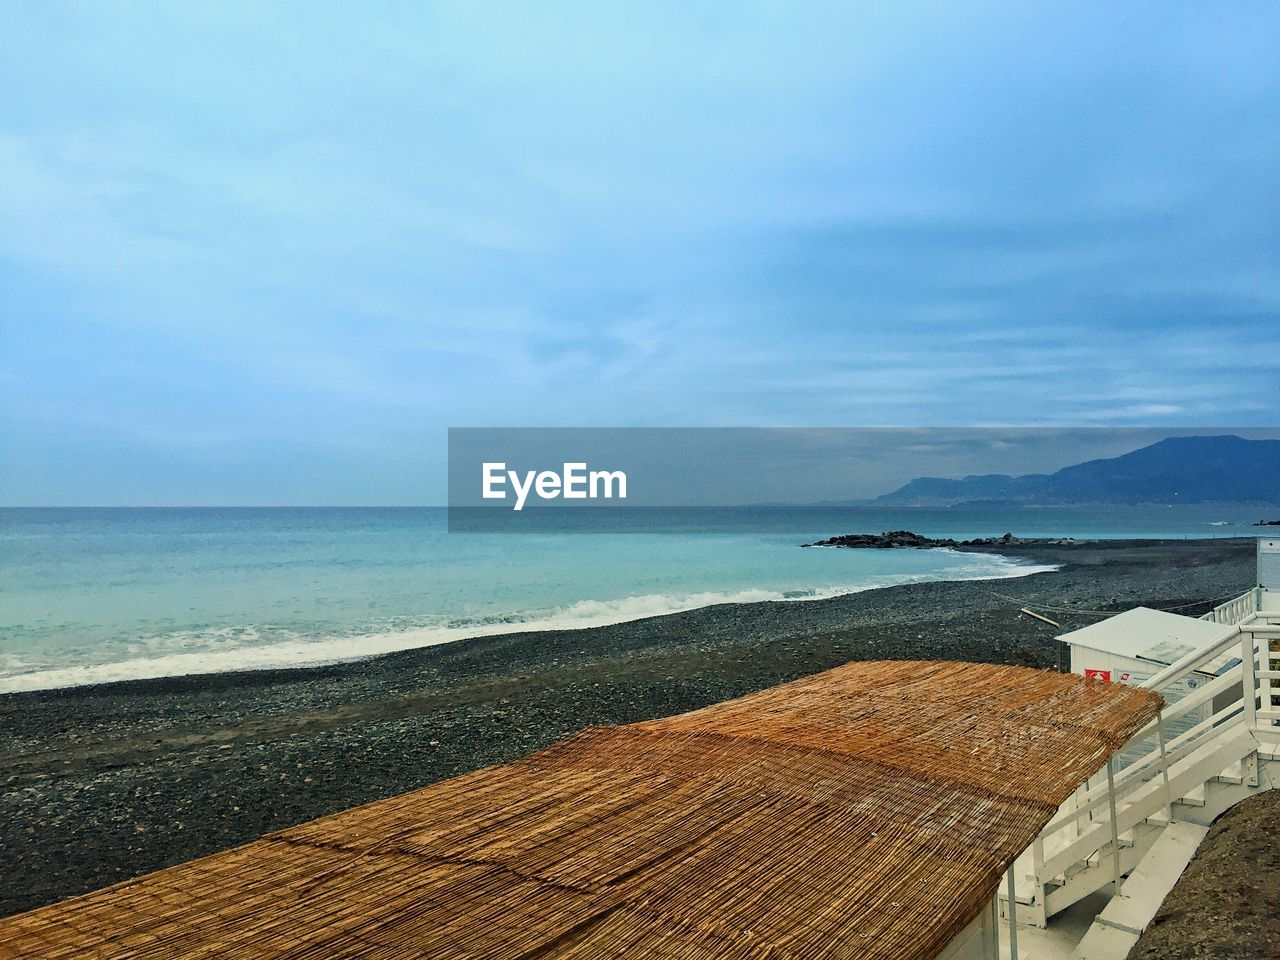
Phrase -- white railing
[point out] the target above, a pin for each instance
(1234, 611)
(1234, 711)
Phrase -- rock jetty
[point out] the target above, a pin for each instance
(905, 538)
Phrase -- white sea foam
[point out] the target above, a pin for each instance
(227, 650)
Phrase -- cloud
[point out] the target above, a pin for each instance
(323, 230)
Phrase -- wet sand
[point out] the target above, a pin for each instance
(104, 783)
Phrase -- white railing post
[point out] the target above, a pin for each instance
(1037, 866)
(1265, 689)
(1249, 689)
(1115, 823)
(1164, 763)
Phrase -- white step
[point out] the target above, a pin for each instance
(1098, 873)
(1118, 927)
(1194, 797)
(1187, 779)
(1104, 943)
(1233, 774)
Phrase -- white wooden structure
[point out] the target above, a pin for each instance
(1094, 878)
(1269, 564)
(1133, 646)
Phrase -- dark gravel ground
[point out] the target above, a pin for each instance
(1226, 905)
(105, 783)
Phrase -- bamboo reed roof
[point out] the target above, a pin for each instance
(868, 811)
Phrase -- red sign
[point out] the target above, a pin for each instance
(1098, 674)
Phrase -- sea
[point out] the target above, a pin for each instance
(91, 595)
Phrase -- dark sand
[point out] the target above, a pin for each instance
(1227, 903)
(105, 783)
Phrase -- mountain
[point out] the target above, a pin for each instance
(1174, 470)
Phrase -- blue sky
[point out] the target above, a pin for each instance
(268, 253)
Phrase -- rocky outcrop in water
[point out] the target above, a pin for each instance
(905, 538)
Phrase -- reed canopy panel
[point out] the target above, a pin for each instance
(868, 811)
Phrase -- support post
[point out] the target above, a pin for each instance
(1115, 824)
(1013, 915)
(1265, 689)
(1037, 866)
(1164, 764)
(990, 947)
(1250, 688)
(994, 910)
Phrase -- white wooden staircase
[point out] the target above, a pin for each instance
(1142, 818)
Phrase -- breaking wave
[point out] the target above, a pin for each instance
(259, 647)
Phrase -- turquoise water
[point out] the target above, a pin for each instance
(88, 595)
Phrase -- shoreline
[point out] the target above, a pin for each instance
(108, 782)
(305, 654)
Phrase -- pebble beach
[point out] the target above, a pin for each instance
(105, 783)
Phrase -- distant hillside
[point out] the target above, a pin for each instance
(1174, 470)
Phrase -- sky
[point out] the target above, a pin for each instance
(270, 253)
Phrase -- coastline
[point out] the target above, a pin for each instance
(582, 615)
(107, 782)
